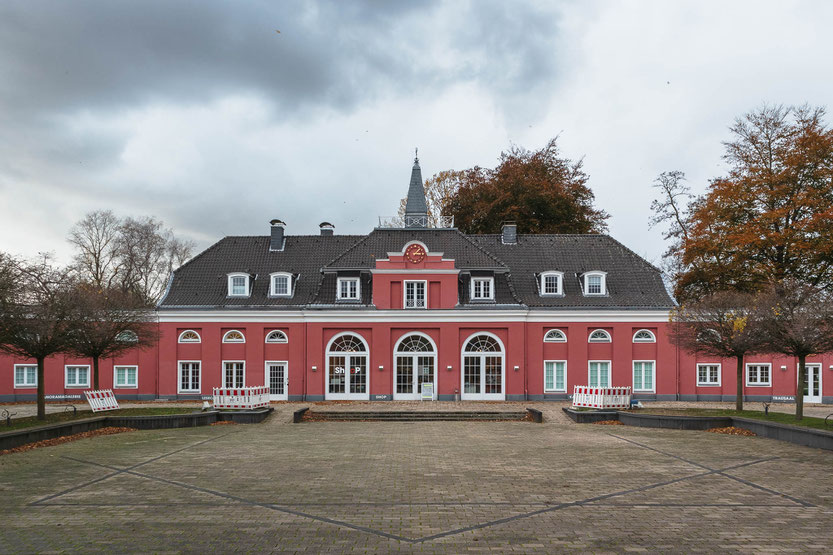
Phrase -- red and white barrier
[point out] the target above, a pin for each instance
(602, 397)
(241, 397)
(101, 400)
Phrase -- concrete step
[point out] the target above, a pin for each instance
(405, 416)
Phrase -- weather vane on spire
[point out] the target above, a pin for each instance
(416, 154)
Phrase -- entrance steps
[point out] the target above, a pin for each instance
(415, 416)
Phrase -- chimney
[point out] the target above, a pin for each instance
(277, 240)
(509, 233)
(326, 228)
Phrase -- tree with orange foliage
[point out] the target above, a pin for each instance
(770, 218)
(540, 190)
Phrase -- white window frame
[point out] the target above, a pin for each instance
(554, 381)
(473, 288)
(653, 388)
(653, 338)
(768, 383)
(68, 385)
(273, 290)
(197, 340)
(116, 374)
(603, 282)
(560, 336)
(231, 277)
(179, 364)
(225, 336)
(560, 284)
(719, 374)
(609, 373)
(223, 367)
(25, 384)
(279, 341)
(405, 293)
(341, 280)
(607, 334)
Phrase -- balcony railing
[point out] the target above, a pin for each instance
(442, 222)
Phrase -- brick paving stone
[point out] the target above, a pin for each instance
(424, 487)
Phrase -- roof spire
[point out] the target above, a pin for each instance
(416, 210)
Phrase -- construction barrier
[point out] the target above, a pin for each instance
(101, 400)
(241, 397)
(602, 397)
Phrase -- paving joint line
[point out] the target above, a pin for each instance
(723, 472)
(118, 470)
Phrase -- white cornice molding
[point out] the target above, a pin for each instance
(425, 317)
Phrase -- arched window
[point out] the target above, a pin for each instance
(555, 336)
(414, 367)
(599, 336)
(483, 344)
(127, 336)
(233, 336)
(551, 284)
(347, 368)
(644, 336)
(277, 336)
(189, 336)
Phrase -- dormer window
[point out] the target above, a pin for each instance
(551, 284)
(281, 284)
(238, 285)
(415, 294)
(348, 289)
(594, 283)
(482, 288)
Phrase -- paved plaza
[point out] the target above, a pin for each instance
(417, 487)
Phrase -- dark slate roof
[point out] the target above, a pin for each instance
(202, 282)
(453, 244)
(316, 261)
(631, 281)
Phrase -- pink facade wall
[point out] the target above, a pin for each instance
(676, 375)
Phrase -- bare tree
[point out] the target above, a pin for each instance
(724, 324)
(35, 315)
(109, 322)
(797, 320)
(96, 240)
(135, 255)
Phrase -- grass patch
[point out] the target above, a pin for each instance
(60, 417)
(779, 417)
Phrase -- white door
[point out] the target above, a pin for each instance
(277, 378)
(812, 383)
(411, 372)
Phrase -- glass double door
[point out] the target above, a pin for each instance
(812, 383)
(347, 377)
(483, 377)
(411, 372)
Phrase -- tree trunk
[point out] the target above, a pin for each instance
(739, 398)
(95, 373)
(41, 391)
(799, 387)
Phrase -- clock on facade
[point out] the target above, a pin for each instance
(415, 253)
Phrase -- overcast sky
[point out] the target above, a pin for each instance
(218, 116)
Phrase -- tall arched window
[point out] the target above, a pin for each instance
(347, 367)
(483, 367)
(415, 357)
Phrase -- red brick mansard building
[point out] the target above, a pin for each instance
(373, 317)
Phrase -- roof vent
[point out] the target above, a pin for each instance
(509, 233)
(326, 228)
(276, 241)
